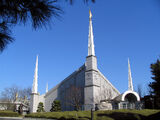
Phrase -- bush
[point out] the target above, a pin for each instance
(8, 114)
(81, 115)
(56, 106)
(40, 107)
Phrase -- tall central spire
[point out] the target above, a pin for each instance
(35, 81)
(130, 84)
(91, 50)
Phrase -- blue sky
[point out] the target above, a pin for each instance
(122, 29)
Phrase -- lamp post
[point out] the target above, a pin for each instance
(91, 113)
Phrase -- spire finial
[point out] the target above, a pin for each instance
(35, 81)
(90, 15)
(91, 50)
(130, 84)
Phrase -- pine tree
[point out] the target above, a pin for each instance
(56, 106)
(155, 85)
(40, 107)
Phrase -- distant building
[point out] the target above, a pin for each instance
(95, 89)
(16, 105)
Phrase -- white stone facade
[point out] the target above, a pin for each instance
(95, 87)
(92, 82)
(35, 100)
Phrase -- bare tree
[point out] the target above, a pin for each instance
(25, 93)
(74, 97)
(104, 94)
(139, 90)
(149, 90)
(108, 95)
(103, 99)
(9, 94)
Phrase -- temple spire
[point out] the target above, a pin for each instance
(130, 84)
(47, 87)
(91, 50)
(35, 81)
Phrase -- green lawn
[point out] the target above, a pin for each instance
(8, 114)
(82, 115)
(101, 115)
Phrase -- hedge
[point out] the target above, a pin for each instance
(68, 115)
(4, 113)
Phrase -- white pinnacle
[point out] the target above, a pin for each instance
(35, 81)
(130, 84)
(46, 87)
(91, 50)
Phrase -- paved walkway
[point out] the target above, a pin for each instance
(11, 118)
(20, 118)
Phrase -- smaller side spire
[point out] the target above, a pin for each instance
(47, 87)
(35, 80)
(130, 84)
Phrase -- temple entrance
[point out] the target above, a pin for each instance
(130, 101)
(131, 98)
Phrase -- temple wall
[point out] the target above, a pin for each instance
(41, 99)
(59, 92)
(107, 90)
(93, 83)
(49, 97)
(35, 100)
(97, 87)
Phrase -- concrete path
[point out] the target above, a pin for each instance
(37, 119)
(20, 118)
(11, 118)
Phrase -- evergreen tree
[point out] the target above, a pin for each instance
(155, 85)
(40, 107)
(56, 106)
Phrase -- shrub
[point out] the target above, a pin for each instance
(56, 106)
(40, 107)
(8, 114)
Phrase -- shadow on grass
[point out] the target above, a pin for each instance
(130, 116)
(155, 116)
(63, 118)
(123, 116)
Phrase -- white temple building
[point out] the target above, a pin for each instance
(94, 89)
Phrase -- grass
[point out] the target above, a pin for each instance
(83, 115)
(127, 114)
(4, 113)
(145, 114)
